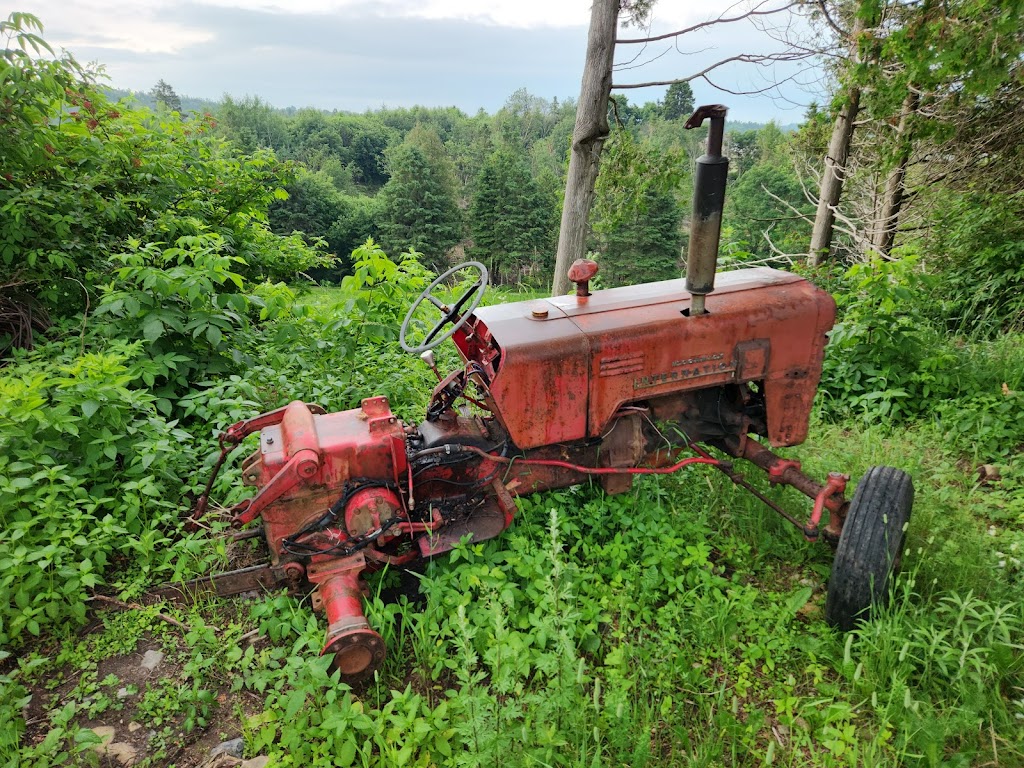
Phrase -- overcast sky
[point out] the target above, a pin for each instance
(357, 55)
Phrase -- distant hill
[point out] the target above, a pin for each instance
(740, 125)
(188, 103)
(195, 104)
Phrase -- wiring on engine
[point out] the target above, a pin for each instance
(293, 544)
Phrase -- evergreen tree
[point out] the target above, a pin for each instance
(636, 217)
(512, 222)
(678, 104)
(647, 247)
(761, 204)
(164, 94)
(418, 210)
(426, 139)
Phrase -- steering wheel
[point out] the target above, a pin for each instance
(472, 296)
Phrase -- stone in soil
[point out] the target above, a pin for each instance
(124, 754)
(221, 761)
(106, 734)
(151, 660)
(234, 748)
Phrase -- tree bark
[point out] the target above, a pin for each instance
(888, 219)
(832, 178)
(587, 139)
(834, 174)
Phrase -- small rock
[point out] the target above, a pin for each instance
(124, 753)
(260, 761)
(122, 693)
(133, 727)
(988, 474)
(221, 761)
(151, 660)
(234, 747)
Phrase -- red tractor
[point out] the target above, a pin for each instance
(609, 384)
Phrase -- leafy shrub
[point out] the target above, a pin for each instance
(89, 186)
(874, 364)
(990, 424)
(383, 289)
(980, 249)
(886, 362)
(89, 471)
(184, 300)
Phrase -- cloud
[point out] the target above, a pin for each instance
(122, 25)
(342, 54)
(518, 14)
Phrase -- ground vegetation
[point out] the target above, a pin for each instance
(155, 288)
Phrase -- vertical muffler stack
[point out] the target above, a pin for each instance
(708, 201)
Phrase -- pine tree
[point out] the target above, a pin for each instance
(165, 94)
(512, 223)
(646, 248)
(678, 104)
(418, 209)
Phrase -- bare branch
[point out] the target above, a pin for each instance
(755, 11)
(843, 33)
(767, 89)
(630, 65)
(745, 58)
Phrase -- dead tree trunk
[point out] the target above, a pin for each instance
(832, 178)
(587, 139)
(884, 234)
(834, 173)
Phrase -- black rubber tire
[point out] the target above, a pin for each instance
(870, 547)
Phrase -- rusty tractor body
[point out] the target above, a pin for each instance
(608, 384)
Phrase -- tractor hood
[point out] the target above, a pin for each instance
(567, 364)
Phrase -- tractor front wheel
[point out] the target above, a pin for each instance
(870, 546)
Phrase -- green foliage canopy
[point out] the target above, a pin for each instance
(418, 209)
(511, 221)
(636, 216)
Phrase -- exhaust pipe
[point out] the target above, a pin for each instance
(708, 201)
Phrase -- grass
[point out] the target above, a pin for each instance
(677, 624)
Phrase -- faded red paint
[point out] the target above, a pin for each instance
(364, 442)
(563, 378)
(571, 388)
(357, 649)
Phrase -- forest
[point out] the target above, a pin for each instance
(170, 266)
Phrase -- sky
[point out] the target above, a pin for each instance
(356, 55)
